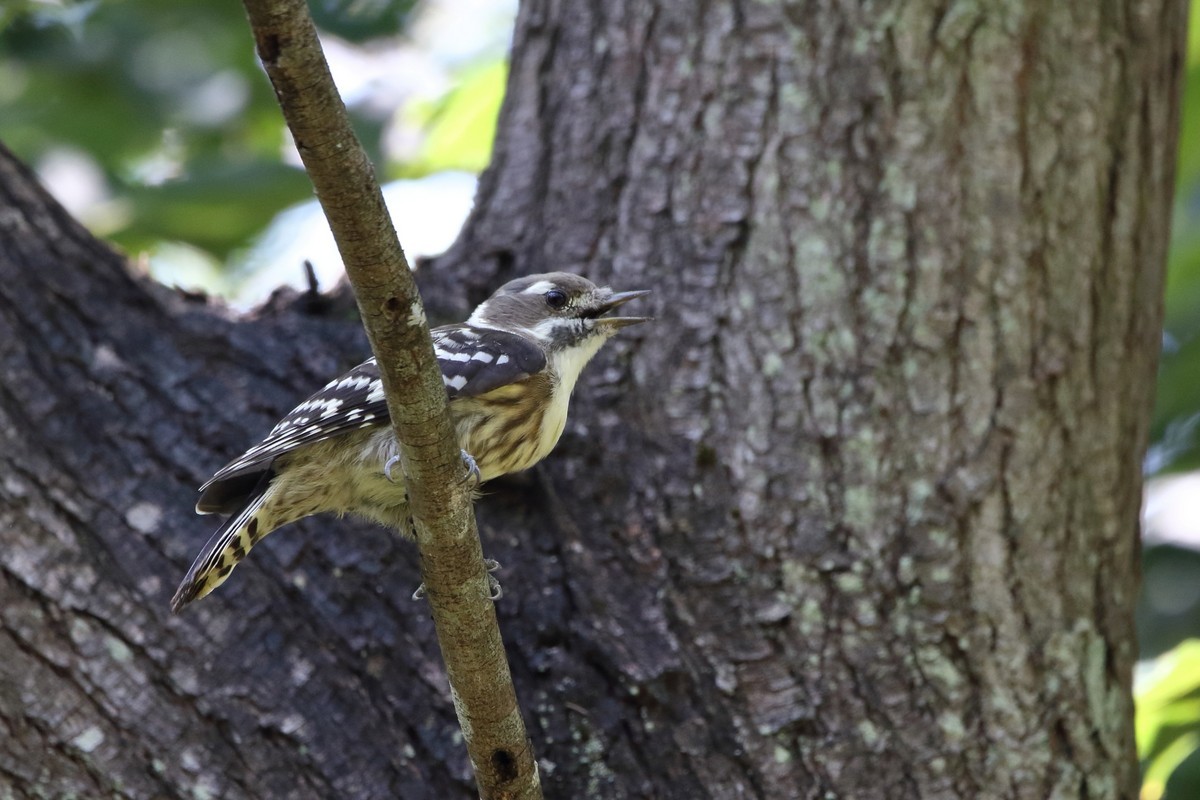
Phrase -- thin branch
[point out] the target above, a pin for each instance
(452, 565)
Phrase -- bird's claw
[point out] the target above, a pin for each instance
(494, 590)
(473, 473)
(388, 465)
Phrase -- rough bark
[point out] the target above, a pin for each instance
(909, 264)
(856, 517)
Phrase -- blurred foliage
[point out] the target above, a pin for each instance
(166, 107)
(1168, 723)
(461, 125)
(361, 20)
(167, 99)
(167, 104)
(1170, 604)
(1168, 690)
(1178, 410)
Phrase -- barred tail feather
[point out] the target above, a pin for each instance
(224, 550)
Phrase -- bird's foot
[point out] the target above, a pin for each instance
(494, 590)
(473, 473)
(389, 465)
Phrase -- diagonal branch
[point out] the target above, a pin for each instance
(451, 555)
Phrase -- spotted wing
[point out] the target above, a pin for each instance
(473, 361)
(477, 360)
(354, 400)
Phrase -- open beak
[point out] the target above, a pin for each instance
(618, 299)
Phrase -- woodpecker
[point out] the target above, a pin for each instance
(509, 371)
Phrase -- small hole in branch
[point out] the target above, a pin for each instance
(505, 765)
(269, 47)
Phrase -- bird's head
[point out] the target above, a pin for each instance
(564, 312)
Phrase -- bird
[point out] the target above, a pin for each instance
(509, 371)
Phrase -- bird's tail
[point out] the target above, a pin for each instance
(224, 550)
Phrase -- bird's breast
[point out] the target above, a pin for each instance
(511, 428)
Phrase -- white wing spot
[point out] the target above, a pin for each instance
(353, 383)
(503, 359)
(457, 382)
(483, 356)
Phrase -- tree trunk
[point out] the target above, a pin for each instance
(856, 517)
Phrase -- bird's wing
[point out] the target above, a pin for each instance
(477, 360)
(354, 400)
(473, 361)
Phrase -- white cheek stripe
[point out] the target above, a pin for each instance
(544, 330)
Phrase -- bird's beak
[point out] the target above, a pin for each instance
(612, 301)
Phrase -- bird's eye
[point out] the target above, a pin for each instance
(556, 298)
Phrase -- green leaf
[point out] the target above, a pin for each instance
(1168, 715)
(461, 127)
(1159, 770)
(1193, 45)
